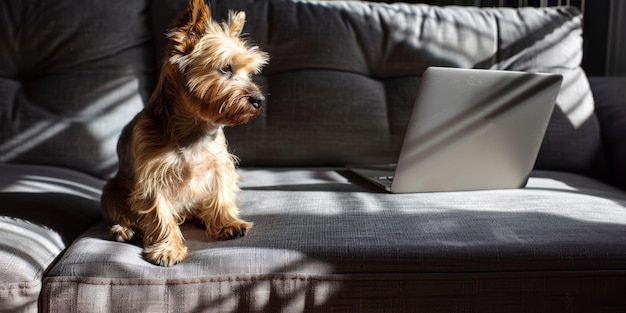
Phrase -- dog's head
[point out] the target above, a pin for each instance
(216, 66)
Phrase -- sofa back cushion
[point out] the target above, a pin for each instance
(72, 74)
(343, 75)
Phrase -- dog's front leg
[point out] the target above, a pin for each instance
(221, 210)
(163, 241)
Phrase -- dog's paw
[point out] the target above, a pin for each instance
(121, 233)
(232, 231)
(164, 254)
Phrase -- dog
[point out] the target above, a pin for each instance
(174, 164)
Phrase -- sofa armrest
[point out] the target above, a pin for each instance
(610, 100)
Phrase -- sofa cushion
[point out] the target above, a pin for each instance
(72, 74)
(325, 240)
(343, 75)
(42, 210)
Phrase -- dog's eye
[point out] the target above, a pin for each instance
(227, 70)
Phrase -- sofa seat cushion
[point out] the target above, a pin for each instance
(42, 210)
(324, 239)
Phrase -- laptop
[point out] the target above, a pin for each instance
(470, 130)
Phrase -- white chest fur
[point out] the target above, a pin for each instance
(207, 167)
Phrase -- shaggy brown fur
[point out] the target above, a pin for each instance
(174, 163)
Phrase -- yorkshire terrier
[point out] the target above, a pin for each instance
(174, 164)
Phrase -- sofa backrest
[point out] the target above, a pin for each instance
(343, 76)
(341, 80)
(72, 74)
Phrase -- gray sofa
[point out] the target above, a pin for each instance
(340, 84)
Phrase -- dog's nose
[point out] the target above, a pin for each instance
(256, 100)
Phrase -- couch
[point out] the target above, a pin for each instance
(340, 85)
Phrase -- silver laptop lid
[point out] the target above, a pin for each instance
(474, 129)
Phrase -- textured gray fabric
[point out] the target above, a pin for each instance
(319, 232)
(341, 83)
(513, 292)
(610, 97)
(72, 74)
(343, 75)
(42, 210)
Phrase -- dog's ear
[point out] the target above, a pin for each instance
(236, 22)
(198, 17)
(188, 29)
